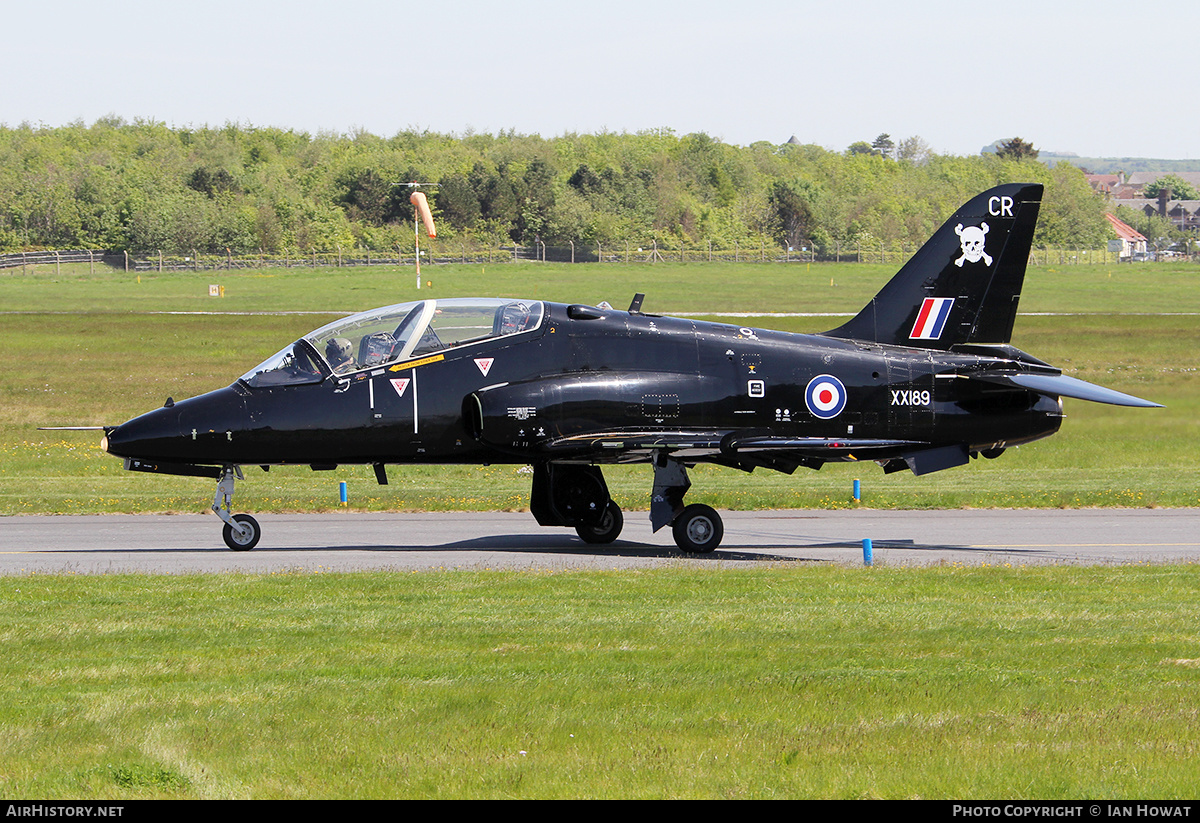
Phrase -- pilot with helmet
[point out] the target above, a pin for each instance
(338, 353)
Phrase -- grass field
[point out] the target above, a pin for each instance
(779, 682)
(783, 682)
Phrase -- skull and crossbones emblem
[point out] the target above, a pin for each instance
(971, 238)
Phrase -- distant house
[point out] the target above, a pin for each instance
(1105, 183)
(1138, 180)
(1128, 190)
(1184, 214)
(1132, 243)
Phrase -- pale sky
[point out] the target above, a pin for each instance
(1109, 79)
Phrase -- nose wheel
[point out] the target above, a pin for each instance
(241, 531)
(245, 536)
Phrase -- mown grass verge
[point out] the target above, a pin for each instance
(788, 681)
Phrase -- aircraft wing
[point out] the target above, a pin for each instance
(732, 447)
(626, 446)
(787, 453)
(825, 448)
(1064, 386)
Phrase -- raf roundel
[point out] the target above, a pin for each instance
(825, 396)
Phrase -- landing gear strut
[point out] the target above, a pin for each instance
(697, 528)
(241, 531)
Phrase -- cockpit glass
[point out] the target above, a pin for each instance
(293, 365)
(394, 334)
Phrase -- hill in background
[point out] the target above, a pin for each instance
(1112, 165)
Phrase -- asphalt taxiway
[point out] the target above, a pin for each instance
(354, 541)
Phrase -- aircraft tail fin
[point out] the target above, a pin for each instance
(963, 285)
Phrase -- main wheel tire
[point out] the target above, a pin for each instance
(236, 540)
(607, 530)
(698, 529)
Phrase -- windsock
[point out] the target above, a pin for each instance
(418, 200)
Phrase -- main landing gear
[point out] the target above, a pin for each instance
(241, 531)
(565, 494)
(697, 528)
(570, 495)
(607, 529)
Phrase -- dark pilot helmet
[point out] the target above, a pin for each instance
(337, 351)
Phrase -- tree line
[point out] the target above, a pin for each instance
(144, 186)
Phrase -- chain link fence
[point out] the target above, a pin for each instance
(445, 253)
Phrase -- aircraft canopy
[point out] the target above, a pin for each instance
(393, 334)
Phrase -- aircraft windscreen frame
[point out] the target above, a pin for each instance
(394, 334)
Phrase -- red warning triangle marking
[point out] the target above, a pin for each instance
(484, 364)
(399, 384)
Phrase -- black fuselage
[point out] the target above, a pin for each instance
(589, 371)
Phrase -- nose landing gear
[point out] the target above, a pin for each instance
(241, 531)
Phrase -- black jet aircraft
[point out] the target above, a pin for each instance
(923, 378)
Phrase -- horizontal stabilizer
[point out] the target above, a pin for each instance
(1064, 386)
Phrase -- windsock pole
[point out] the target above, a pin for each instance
(421, 214)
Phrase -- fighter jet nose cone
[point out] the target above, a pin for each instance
(194, 431)
(144, 436)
